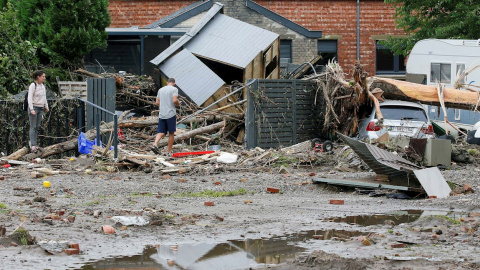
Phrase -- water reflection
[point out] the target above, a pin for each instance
(235, 254)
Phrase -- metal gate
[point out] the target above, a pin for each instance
(100, 92)
(282, 113)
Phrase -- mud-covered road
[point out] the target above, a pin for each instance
(444, 236)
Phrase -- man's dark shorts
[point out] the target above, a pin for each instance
(165, 125)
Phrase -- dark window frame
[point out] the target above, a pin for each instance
(397, 62)
(325, 46)
(284, 43)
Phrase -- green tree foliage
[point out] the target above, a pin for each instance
(442, 19)
(17, 56)
(64, 30)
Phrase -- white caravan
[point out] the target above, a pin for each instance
(442, 60)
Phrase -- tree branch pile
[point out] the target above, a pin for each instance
(346, 103)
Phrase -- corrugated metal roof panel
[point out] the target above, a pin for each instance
(379, 160)
(188, 36)
(193, 77)
(231, 41)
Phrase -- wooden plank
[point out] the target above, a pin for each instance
(62, 83)
(276, 53)
(258, 67)
(248, 72)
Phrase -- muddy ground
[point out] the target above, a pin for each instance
(434, 241)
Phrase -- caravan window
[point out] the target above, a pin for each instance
(460, 70)
(440, 72)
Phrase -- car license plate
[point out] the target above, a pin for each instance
(403, 129)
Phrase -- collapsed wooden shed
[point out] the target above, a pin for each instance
(217, 52)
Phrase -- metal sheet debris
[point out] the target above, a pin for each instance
(433, 182)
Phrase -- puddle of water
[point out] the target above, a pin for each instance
(404, 216)
(235, 254)
(378, 219)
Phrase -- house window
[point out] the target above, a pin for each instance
(440, 72)
(328, 50)
(285, 51)
(460, 70)
(387, 62)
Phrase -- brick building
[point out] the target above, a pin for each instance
(306, 28)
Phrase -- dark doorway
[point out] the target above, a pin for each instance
(227, 73)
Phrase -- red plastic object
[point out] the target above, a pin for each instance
(8, 165)
(120, 134)
(184, 154)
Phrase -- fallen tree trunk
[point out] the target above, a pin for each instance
(195, 132)
(18, 154)
(427, 94)
(65, 146)
(154, 120)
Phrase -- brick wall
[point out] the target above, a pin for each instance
(128, 13)
(334, 17)
(339, 17)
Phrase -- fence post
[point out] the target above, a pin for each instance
(97, 125)
(115, 136)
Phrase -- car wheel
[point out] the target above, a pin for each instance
(327, 146)
(316, 144)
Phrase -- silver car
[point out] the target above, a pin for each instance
(399, 118)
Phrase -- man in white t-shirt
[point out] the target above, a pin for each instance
(167, 99)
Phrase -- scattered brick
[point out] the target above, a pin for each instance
(432, 197)
(319, 236)
(13, 244)
(273, 190)
(220, 218)
(107, 229)
(247, 201)
(337, 202)
(218, 183)
(398, 245)
(2, 178)
(243, 180)
(312, 174)
(72, 251)
(209, 203)
(74, 246)
(61, 212)
(156, 223)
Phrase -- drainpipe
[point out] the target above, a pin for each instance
(142, 46)
(358, 29)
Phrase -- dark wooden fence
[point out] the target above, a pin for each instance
(282, 113)
(64, 121)
(58, 125)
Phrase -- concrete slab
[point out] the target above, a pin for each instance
(433, 182)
